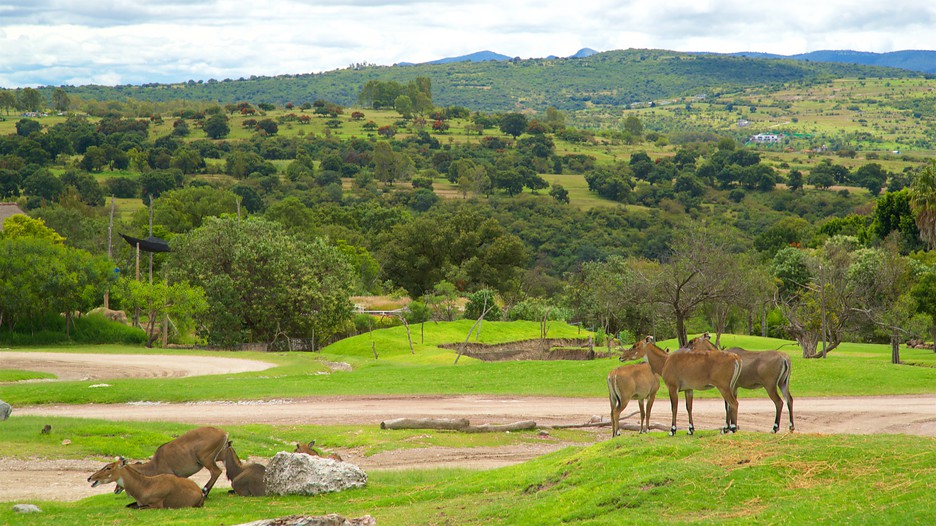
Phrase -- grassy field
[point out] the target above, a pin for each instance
(651, 479)
(851, 370)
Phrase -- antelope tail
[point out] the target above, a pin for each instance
(613, 393)
(783, 381)
(734, 377)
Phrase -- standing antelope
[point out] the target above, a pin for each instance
(157, 491)
(769, 370)
(690, 371)
(187, 455)
(632, 382)
(246, 479)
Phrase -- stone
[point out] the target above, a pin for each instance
(301, 474)
(5, 410)
(26, 508)
(319, 520)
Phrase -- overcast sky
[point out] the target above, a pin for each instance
(55, 42)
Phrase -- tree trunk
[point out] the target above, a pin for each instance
(681, 330)
(895, 347)
(459, 424)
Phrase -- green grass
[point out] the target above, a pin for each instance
(851, 370)
(650, 479)
(17, 375)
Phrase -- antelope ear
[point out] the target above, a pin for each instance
(228, 443)
(312, 443)
(707, 336)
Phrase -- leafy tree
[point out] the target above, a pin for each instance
(633, 125)
(871, 176)
(44, 185)
(268, 126)
(60, 100)
(261, 282)
(442, 301)
(893, 212)
(404, 105)
(156, 182)
(923, 293)
(20, 226)
(216, 126)
(27, 127)
(182, 303)
(794, 180)
(559, 193)
(513, 124)
(923, 202)
(482, 302)
(184, 209)
(29, 99)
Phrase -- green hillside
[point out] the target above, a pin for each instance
(613, 78)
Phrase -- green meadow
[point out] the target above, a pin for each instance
(758, 478)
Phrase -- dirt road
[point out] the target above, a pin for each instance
(65, 480)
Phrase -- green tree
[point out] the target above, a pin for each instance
(29, 99)
(871, 176)
(559, 193)
(7, 100)
(184, 209)
(27, 127)
(633, 125)
(404, 106)
(513, 124)
(20, 226)
(216, 126)
(262, 283)
(923, 202)
(923, 293)
(180, 302)
(60, 100)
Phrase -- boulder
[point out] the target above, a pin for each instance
(331, 519)
(301, 474)
(26, 508)
(5, 410)
(112, 315)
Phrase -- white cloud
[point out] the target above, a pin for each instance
(135, 41)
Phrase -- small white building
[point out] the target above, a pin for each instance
(766, 137)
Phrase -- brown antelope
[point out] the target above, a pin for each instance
(246, 479)
(769, 370)
(632, 382)
(689, 371)
(157, 491)
(187, 455)
(309, 449)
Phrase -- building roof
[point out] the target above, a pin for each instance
(7, 210)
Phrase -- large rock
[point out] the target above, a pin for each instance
(321, 520)
(26, 508)
(5, 410)
(301, 474)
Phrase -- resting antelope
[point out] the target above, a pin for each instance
(187, 455)
(632, 382)
(246, 479)
(157, 491)
(763, 369)
(689, 371)
(308, 449)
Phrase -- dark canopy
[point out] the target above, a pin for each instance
(150, 244)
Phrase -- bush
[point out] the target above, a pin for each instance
(93, 328)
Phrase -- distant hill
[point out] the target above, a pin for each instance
(913, 60)
(479, 56)
(610, 78)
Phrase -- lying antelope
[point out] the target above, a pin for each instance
(309, 449)
(632, 382)
(690, 371)
(187, 455)
(157, 491)
(246, 479)
(769, 370)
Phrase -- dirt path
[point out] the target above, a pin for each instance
(65, 480)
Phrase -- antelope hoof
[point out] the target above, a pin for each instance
(776, 427)
(734, 428)
(672, 431)
(691, 430)
(791, 428)
(205, 491)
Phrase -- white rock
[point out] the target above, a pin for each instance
(26, 508)
(301, 474)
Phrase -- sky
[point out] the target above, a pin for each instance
(111, 42)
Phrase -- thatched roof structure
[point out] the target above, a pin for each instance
(7, 210)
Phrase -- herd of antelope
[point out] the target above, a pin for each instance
(162, 481)
(699, 365)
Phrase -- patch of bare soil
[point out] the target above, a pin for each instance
(70, 366)
(22, 480)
